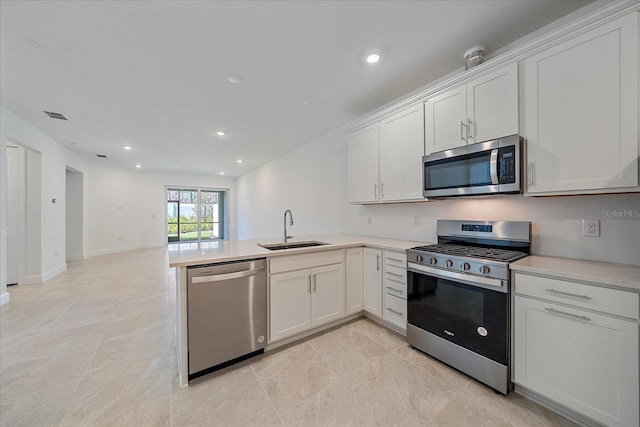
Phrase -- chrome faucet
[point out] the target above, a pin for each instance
(285, 224)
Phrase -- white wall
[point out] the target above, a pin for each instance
(312, 182)
(127, 208)
(308, 181)
(54, 160)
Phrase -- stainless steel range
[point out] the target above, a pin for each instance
(458, 296)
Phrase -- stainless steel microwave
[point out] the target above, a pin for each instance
(491, 167)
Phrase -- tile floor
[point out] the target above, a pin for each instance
(95, 347)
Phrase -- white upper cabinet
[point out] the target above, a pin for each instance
(363, 165)
(446, 120)
(492, 105)
(401, 151)
(385, 158)
(581, 112)
(483, 109)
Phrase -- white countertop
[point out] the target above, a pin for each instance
(185, 254)
(620, 276)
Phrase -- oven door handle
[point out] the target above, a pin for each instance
(493, 166)
(459, 277)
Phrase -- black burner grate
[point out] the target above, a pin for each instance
(473, 252)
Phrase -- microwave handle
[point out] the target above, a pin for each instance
(493, 166)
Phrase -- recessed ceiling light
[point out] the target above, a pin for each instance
(220, 133)
(75, 144)
(234, 79)
(373, 58)
(239, 161)
(221, 173)
(127, 147)
(138, 166)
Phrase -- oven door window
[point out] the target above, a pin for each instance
(471, 317)
(470, 170)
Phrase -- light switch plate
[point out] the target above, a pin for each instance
(591, 227)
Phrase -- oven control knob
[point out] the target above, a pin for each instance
(484, 269)
(466, 266)
(433, 261)
(419, 258)
(448, 263)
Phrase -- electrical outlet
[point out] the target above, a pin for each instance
(369, 220)
(416, 221)
(591, 227)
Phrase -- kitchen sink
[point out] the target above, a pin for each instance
(291, 245)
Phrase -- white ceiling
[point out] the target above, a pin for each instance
(153, 74)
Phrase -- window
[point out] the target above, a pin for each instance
(196, 214)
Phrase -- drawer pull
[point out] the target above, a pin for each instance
(575, 316)
(553, 291)
(394, 259)
(394, 289)
(393, 311)
(394, 274)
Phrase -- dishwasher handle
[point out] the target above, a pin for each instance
(227, 276)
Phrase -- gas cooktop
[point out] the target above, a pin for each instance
(494, 254)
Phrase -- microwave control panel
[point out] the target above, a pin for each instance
(507, 165)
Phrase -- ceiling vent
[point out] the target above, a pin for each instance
(102, 156)
(55, 115)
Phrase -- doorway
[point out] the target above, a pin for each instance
(196, 214)
(23, 214)
(74, 234)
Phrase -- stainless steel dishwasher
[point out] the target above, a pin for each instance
(226, 313)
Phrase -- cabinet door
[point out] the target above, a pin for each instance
(492, 105)
(582, 360)
(363, 165)
(401, 151)
(290, 304)
(355, 280)
(445, 120)
(373, 281)
(581, 111)
(327, 298)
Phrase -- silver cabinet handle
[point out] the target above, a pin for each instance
(394, 289)
(568, 294)
(382, 189)
(462, 129)
(309, 285)
(469, 127)
(393, 311)
(375, 190)
(315, 281)
(394, 274)
(531, 169)
(575, 316)
(394, 259)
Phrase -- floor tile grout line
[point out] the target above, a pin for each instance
(267, 394)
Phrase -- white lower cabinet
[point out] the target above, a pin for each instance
(373, 281)
(355, 280)
(579, 358)
(395, 289)
(303, 299)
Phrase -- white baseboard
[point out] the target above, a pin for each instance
(124, 249)
(54, 272)
(4, 298)
(76, 257)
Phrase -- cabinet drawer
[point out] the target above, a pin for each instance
(395, 273)
(298, 262)
(398, 259)
(395, 311)
(394, 288)
(611, 301)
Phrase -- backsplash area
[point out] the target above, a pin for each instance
(556, 222)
